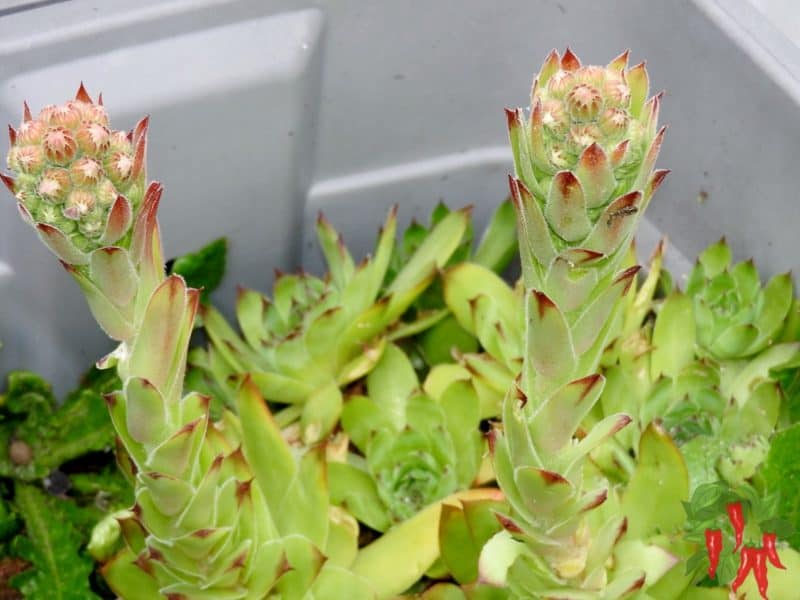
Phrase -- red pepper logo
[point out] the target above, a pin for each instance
(751, 558)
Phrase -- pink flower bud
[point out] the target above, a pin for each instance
(91, 113)
(119, 167)
(86, 171)
(65, 115)
(617, 92)
(31, 132)
(106, 193)
(584, 102)
(55, 185)
(93, 138)
(59, 145)
(119, 141)
(614, 122)
(28, 159)
(79, 203)
(560, 83)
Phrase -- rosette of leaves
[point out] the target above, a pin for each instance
(316, 336)
(721, 412)
(411, 450)
(736, 317)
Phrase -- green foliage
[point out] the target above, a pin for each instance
(53, 434)
(60, 571)
(204, 268)
(781, 475)
(66, 447)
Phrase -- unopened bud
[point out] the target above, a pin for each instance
(614, 122)
(31, 132)
(584, 102)
(79, 203)
(583, 136)
(554, 116)
(91, 113)
(119, 166)
(28, 159)
(560, 83)
(617, 92)
(86, 171)
(105, 192)
(54, 185)
(91, 228)
(592, 75)
(59, 145)
(119, 142)
(93, 138)
(65, 115)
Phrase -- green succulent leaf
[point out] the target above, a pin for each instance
(652, 499)
(498, 244)
(673, 337)
(463, 531)
(355, 490)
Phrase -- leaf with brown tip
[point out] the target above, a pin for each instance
(82, 95)
(565, 210)
(555, 423)
(570, 62)
(118, 221)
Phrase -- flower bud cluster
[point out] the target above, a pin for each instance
(69, 167)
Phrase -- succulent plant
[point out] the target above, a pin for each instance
(222, 510)
(735, 316)
(315, 335)
(413, 450)
(486, 307)
(584, 163)
(584, 174)
(78, 182)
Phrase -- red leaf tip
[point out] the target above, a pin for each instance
(82, 95)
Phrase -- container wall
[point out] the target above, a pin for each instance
(265, 113)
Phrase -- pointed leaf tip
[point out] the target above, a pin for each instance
(12, 134)
(552, 478)
(26, 112)
(543, 302)
(588, 383)
(627, 276)
(100, 99)
(508, 524)
(119, 221)
(570, 62)
(8, 182)
(620, 62)
(599, 499)
(83, 95)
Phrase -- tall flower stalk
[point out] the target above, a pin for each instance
(223, 509)
(584, 162)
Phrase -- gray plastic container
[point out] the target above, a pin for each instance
(265, 112)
